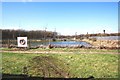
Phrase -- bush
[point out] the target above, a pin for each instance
(93, 39)
(53, 39)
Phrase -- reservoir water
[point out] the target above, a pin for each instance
(62, 43)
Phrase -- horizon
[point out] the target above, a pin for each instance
(66, 18)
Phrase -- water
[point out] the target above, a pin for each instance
(62, 43)
(106, 37)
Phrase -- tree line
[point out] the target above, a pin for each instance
(89, 35)
(33, 34)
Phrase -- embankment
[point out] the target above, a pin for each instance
(104, 43)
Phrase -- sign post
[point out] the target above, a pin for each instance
(22, 41)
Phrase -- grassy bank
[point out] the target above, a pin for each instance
(103, 43)
(62, 65)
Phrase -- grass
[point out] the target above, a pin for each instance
(78, 50)
(68, 50)
(62, 65)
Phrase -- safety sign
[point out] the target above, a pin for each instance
(22, 41)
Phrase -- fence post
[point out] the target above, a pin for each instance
(8, 43)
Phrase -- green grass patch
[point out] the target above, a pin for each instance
(76, 50)
(65, 49)
(62, 65)
(5, 49)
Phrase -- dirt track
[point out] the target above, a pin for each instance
(61, 52)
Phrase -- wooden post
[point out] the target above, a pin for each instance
(8, 43)
(29, 44)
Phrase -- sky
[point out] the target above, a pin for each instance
(67, 18)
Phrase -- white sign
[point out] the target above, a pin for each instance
(22, 41)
